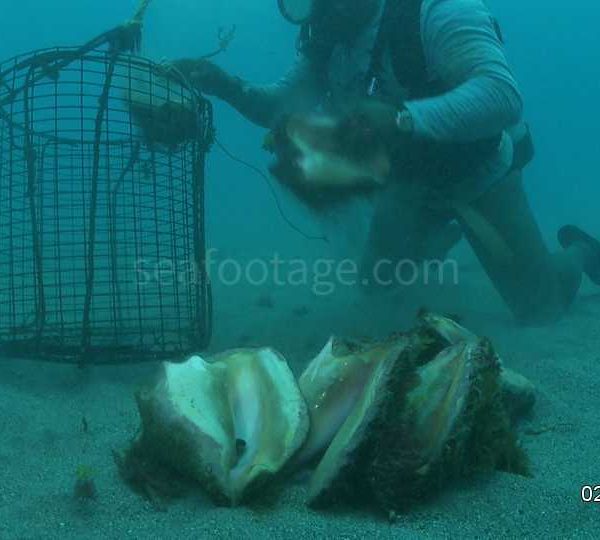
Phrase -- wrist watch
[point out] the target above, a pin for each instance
(404, 121)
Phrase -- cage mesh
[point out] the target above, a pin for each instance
(101, 230)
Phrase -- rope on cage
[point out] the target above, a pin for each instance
(255, 169)
(132, 30)
(30, 160)
(140, 12)
(91, 241)
(124, 38)
(224, 37)
(112, 228)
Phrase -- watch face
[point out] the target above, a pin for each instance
(296, 11)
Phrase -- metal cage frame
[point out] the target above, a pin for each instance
(87, 196)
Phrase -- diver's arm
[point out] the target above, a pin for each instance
(463, 51)
(298, 91)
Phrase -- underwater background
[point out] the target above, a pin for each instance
(553, 48)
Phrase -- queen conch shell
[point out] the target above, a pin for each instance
(229, 424)
(316, 165)
(320, 160)
(383, 378)
(434, 405)
(386, 421)
(392, 411)
(344, 387)
(339, 385)
(518, 393)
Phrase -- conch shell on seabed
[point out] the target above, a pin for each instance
(229, 424)
(392, 419)
(382, 420)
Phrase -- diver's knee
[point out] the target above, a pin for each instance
(535, 308)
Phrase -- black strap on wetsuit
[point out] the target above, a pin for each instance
(400, 33)
(376, 65)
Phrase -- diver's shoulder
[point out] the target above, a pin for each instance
(444, 15)
(454, 6)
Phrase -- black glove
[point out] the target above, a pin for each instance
(207, 77)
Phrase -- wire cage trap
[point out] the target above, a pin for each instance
(102, 239)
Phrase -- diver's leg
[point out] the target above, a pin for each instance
(441, 240)
(538, 286)
(403, 233)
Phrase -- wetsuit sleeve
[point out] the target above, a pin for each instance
(464, 53)
(300, 90)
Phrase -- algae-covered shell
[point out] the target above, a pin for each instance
(433, 407)
(343, 393)
(418, 421)
(452, 424)
(518, 393)
(229, 424)
(332, 385)
(403, 417)
(446, 328)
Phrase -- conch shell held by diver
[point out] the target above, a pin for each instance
(315, 163)
(166, 122)
(229, 424)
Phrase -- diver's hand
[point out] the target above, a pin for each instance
(184, 66)
(373, 120)
(207, 77)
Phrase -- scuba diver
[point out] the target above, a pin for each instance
(431, 78)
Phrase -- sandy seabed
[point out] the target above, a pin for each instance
(43, 442)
